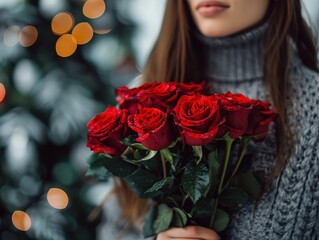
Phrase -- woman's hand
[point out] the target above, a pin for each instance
(188, 233)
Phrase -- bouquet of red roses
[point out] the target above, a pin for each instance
(182, 147)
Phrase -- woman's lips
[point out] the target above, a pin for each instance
(211, 8)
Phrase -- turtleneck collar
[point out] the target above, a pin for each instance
(235, 58)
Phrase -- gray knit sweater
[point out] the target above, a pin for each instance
(290, 209)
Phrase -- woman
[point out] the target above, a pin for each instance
(262, 49)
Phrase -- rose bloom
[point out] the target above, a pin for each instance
(129, 98)
(192, 88)
(153, 127)
(155, 95)
(198, 117)
(161, 95)
(259, 119)
(106, 130)
(165, 95)
(236, 109)
(164, 92)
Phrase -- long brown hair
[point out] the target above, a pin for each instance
(174, 58)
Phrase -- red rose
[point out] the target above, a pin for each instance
(192, 88)
(165, 92)
(236, 109)
(106, 130)
(198, 117)
(129, 98)
(259, 119)
(154, 128)
(162, 96)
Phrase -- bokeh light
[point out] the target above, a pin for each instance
(57, 198)
(49, 8)
(102, 31)
(11, 36)
(94, 8)
(28, 36)
(62, 23)
(83, 33)
(21, 220)
(66, 45)
(2, 92)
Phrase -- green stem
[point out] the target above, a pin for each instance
(212, 220)
(164, 166)
(245, 142)
(184, 200)
(229, 143)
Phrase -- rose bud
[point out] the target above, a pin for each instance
(154, 128)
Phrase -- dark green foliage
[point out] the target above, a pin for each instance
(43, 118)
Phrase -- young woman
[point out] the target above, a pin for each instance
(263, 49)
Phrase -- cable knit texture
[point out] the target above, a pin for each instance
(289, 210)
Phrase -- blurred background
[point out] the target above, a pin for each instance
(60, 61)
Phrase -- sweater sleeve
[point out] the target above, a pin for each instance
(294, 210)
(290, 209)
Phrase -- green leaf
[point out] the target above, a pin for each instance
(149, 156)
(167, 155)
(148, 229)
(233, 198)
(174, 143)
(163, 219)
(97, 159)
(153, 164)
(179, 218)
(136, 155)
(118, 167)
(249, 183)
(199, 151)
(221, 221)
(129, 140)
(160, 184)
(203, 208)
(195, 181)
(138, 146)
(97, 169)
(99, 173)
(140, 181)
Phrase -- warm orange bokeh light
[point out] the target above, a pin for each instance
(82, 33)
(94, 8)
(28, 36)
(62, 23)
(57, 198)
(66, 45)
(21, 220)
(2, 92)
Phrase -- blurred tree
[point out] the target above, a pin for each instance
(48, 101)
